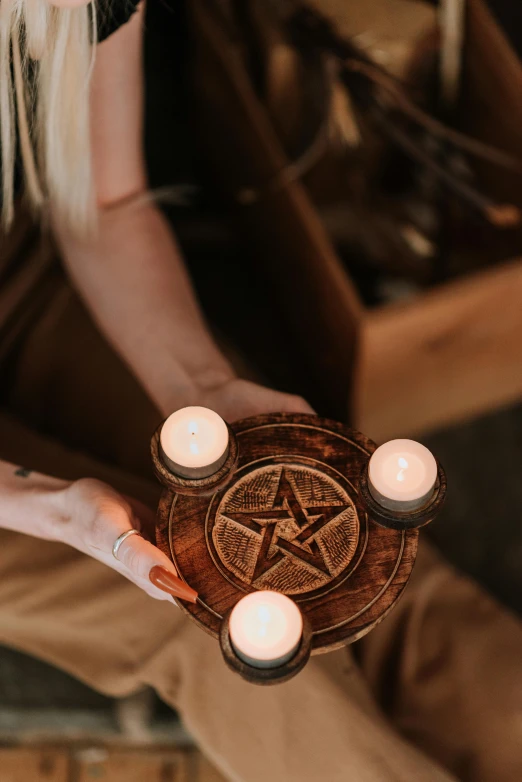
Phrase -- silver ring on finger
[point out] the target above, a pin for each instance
(119, 540)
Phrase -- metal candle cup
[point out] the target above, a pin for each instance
(402, 475)
(194, 442)
(265, 629)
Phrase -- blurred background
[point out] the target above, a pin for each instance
(344, 177)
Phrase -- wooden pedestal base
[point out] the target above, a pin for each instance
(293, 515)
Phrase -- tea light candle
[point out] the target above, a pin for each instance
(265, 629)
(194, 442)
(402, 475)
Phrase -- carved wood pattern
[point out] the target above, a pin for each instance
(289, 528)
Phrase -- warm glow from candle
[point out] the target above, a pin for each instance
(402, 473)
(265, 629)
(194, 438)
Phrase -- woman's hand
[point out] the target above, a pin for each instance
(236, 398)
(91, 516)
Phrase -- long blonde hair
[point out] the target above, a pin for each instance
(46, 59)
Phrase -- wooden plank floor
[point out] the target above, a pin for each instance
(100, 764)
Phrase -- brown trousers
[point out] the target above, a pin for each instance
(432, 694)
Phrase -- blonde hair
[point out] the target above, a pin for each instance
(46, 59)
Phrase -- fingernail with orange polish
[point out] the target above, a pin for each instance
(168, 582)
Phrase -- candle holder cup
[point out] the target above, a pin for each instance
(254, 675)
(289, 511)
(404, 520)
(195, 487)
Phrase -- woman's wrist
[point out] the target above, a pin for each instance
(200, 386)
(31, 503)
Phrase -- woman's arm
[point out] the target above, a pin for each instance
(131, 274)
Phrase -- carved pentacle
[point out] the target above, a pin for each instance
(285, 527)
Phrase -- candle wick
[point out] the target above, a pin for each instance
(264, 614)
(404, 465)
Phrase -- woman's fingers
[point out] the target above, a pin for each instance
(96, 516)
(290, 403)
(144, 518)
(241, 398)
(140, 556)
(146, 563)
(112, 517)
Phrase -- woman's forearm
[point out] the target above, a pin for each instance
(29, 501)
(132, 277)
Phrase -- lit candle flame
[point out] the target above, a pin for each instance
(194, 441)
(404, 465)
(263, 614)
(265, 628)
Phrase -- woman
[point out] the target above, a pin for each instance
(67, 608)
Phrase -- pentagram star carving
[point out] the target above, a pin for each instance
(272, 526)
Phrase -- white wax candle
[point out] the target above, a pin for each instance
(402, 475)
(194, 441)
(265, 629)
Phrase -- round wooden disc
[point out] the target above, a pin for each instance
(291, 519)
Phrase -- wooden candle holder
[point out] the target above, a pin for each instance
(289, 511)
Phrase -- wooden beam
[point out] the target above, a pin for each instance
(206, 772)
(107, 764)
(132, 765)
(448, 355)
(19, 764)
